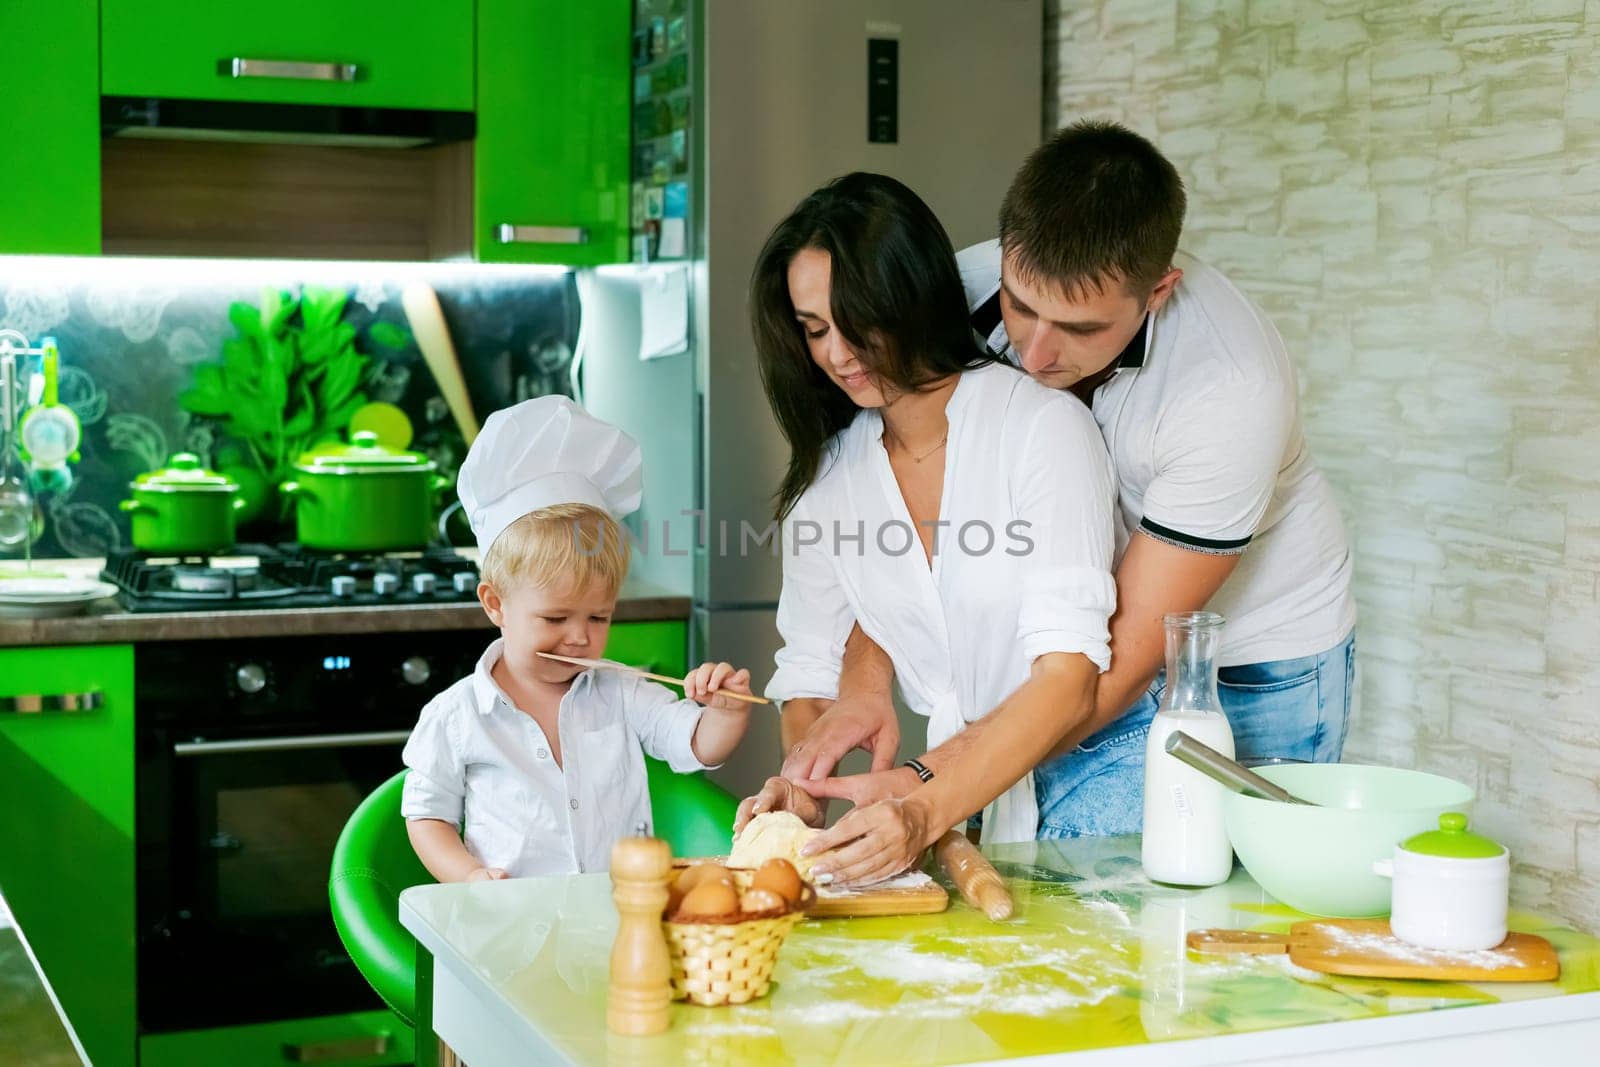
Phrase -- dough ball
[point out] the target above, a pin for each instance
(773, 835)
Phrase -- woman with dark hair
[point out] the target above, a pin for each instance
(987, 582)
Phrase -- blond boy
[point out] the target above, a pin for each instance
(542, 760)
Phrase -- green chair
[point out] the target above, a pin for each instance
(373, 862)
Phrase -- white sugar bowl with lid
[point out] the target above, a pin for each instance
(1450, 888)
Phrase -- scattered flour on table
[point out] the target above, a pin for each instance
(1351, 943)
(1009, 975)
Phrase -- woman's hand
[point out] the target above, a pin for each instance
(872, 843)
(487, 874)
(705, 683)
(780, 794)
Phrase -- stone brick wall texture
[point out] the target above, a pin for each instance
(1412, 191)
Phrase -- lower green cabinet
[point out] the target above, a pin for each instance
(68, 859)
(363, 1039)
(659, 647)
(66, 830)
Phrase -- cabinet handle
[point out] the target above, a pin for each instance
(346, 1048)
(239, 67)
(508, 234)
(288, 744)
(30, 703)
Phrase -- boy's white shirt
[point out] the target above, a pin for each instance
(474, 756)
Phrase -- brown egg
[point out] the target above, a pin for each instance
(762, 900)
(696, 873)
(710, 898)
(778, 876)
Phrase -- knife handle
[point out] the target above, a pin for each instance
(1246, 942)
(980, 884)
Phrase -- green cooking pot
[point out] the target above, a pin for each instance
(182, 509)
(363, 497)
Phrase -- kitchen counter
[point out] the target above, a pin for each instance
(108, 623)
(1093, 965)
(32, 1028)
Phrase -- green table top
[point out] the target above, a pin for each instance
(1094, 958)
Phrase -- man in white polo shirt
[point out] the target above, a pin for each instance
(1224, 507)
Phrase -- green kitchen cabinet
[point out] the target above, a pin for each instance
(359, 1039)
(658, 647)
(362, 53)
(50, 112)
(551, 163)
(66, 829)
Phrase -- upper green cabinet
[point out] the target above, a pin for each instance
(364, 53)
(50, 111)
(551, 166)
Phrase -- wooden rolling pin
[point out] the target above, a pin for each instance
(980, 884)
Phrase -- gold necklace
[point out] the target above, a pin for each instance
(918, 459)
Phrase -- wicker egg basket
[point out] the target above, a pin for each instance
(728, 959)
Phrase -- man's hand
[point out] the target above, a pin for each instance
(864, 789)
(866, 722)
(780, 794)
(871, 843)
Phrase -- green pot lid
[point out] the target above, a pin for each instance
(363, 454)
(1453, 841)
(183, 473)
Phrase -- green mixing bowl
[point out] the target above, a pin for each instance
(1319, 859)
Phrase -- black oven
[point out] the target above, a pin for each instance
(252, 754)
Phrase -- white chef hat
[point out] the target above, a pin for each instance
(543, 452)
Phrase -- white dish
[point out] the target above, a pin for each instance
(46, 598)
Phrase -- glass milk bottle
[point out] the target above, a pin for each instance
(1185, 840)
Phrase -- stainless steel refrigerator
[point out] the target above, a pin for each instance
(947, 96)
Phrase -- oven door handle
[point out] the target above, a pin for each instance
(289, 744)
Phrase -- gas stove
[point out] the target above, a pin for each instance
(265, 577)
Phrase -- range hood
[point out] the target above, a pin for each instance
(309, 124)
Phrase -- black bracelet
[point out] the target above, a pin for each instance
(922, 771)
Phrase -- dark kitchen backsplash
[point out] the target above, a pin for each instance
(132, 333)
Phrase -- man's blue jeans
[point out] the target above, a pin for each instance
(1296, 708)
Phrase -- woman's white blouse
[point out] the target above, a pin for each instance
(1021, 567)
(474, 756)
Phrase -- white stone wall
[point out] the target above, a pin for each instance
(1412, 191)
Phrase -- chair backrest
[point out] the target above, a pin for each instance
(373, 861)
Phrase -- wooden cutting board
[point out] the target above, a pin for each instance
(873, 900)
(880, 900)
(1368, 948)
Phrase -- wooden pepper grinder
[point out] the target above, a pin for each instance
(641, 975)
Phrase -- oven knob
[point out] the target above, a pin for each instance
(344, 586)
(386, 584)
(251, 678)
(464, 582)
(415, 670)
(424, 584)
